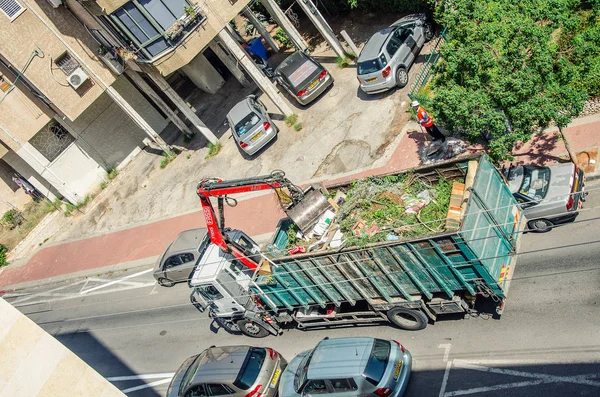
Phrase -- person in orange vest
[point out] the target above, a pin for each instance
(426, 120)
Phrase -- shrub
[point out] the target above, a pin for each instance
(3, 252)
(12, 218)
(167, 158)
(290, 120)
(298, 126)
(213, 149)
(283, 38)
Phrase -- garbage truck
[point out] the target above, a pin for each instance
(463, 269)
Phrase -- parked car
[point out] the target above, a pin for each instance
(385, 60)
(303, 77)
(251, 125)
(547, 195)
(179, 258)
(346, 367)
(236, 371)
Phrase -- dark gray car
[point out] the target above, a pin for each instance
(236, 371)
(178, 260)
(548, 195)
(251, 125)
(303, 77)
(385, 60)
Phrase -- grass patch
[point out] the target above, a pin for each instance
(112, 173)
(298, 126)
(167, 158)
(103, 185)
(291, 119)
(213, 149)
(3, 251)
(343, 62)
(32, 212)
(189, 156)
(76, 207)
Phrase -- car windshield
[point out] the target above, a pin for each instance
(246, 124)
(373, 65)
(251, 368)
(378, 360)
(300, 76)
(536, 181)
(191, 371)
(301, 373)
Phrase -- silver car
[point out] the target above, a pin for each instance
(303, 77)
(251, 125)
(349, 367)
(388, 55)
(236, 371)
(180, 257)
(547, 195)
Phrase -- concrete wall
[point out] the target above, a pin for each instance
(203, 74)
(19, 165)
(19, 38)
(33, 363)
(106, 133)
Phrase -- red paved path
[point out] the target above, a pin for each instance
(258, 215)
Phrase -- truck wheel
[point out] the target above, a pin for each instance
(252, 329)
(165, 282)
(540, 225)
(411, 320)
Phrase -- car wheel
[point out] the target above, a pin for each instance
(408, 319)
(165, 282)
(540, 225)
(429, 32)
(252, 329)
(401, 77)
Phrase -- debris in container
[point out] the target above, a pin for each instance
(337, 240)
(323, 223)
(298, 249)
(392, 237)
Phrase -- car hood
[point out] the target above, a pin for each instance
(286, 383)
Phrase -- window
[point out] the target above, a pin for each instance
(393, 45)
(343, 385)
(315, 386)
(197, 391)
(209, 292)
(66, 63)
(246, 124)
(11, 8)
(536, 181)
(372, 66)
(187, 257)
(154, 25)
(217, 389)
(52, 140)
(173, 261)
(378, 360)
(251, 368)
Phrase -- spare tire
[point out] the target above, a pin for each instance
(408, 319)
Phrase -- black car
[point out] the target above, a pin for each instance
(303, 77)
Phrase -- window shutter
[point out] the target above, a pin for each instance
(11, 8)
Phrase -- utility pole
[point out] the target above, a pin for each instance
(322, 26)
(259, 78)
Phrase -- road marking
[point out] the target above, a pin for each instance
(445, 379)
(140, 377)
(446, 347)
(41, 294)
(536, 378)
(146, 386)
(116, 281)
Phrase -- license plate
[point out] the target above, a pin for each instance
(275, 377)
(255, 137)
(371, 80)
(398, 368)
(314, 83)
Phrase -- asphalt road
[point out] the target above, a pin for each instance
(546, 343)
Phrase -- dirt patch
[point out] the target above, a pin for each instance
(401, 117)
(346, 156)
(32, 214)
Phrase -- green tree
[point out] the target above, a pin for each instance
(506, 71)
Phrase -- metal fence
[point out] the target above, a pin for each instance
(427, 68)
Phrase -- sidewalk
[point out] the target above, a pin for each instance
(257, 215)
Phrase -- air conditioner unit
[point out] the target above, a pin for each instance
(55, 3)
(77, 78)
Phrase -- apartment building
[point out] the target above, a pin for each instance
(83, 83)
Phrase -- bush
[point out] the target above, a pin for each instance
(213, 149)
(298, 126)
(283, 38)
(3, 252)
(12, 218)
(167, 158)
(342, 62)
(290, 120)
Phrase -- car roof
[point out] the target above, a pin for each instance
(221, 364)
(188, 240)
(373, 47)
(340, 357)
(291, 63)
(240, 110)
